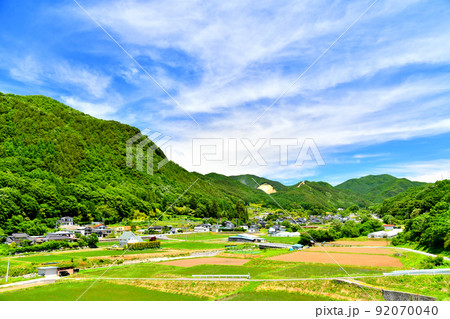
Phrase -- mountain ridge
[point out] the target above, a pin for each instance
(57, 161)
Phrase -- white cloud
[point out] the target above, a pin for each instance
(26, 69)
(90, 81)
(241, 48)
(362, 156)
(94, 109)
(425, 171)
(56, 72)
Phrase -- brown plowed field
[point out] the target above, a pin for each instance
(374, 251)
(344, 259)
(206, 261)
(361, 243)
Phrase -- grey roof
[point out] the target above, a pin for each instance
(127, 235)
(19, 235)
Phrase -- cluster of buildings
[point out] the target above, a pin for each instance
(280, 231)
(69, 232)
(97, 228)
(19, 238)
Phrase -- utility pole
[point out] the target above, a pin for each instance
(7, 269)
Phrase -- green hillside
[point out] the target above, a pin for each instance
(425, 212)
(57, 161)
(376, 188)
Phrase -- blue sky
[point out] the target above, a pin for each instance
(377, 101)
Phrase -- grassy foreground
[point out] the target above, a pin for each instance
(123, 290)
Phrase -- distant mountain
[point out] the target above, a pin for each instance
(376, 188)
(313, 195)
(255, 181)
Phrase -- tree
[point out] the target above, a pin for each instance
(350, 229)
(336, 225)
(241, 212)
(92, 240)
(214, 209)
(388, 219)
(2, 235)
(353, 209)
(369, 226)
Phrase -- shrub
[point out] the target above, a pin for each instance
(431, 262)
(144, 245)
(47, 246)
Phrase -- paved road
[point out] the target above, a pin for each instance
(419, 252)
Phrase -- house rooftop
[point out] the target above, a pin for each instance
(19, 235)
(127, 235)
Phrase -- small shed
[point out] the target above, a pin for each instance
(48, 272)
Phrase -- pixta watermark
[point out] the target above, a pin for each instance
(143, 146)
(243, 151)
(231, 152)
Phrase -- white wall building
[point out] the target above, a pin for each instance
(201, 229)
(128, 238)
(48, 272)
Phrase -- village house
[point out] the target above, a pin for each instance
(100, 230)
(65, 221)
(60, 235)
(17, 238)
(155, 229)
(253, 229)
(128, 238)
(227, 225)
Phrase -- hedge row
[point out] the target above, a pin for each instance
(144, 245)
(49, 245)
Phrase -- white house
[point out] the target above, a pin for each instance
(65, 221)
(388, 227)
(201, 229)
(128, 238)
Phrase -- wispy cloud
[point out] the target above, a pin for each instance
(424, 171)
(95, 109)
(361, 156)
(386, 80)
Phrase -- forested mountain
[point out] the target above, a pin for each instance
(376, 188)
(315, 196)
(57, 161)
(425, 212)
(311, 197)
